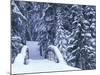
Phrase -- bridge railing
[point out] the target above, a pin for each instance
(54, 54)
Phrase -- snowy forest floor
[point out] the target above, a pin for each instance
(37, 63)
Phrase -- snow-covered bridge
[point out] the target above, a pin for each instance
(36, 63)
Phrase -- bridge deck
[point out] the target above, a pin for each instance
(39, 65)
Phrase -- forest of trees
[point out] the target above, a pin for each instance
(72, 28)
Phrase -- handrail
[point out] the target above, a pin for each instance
(58, 53)
(21, 56)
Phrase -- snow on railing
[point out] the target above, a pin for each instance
(58, 54)
(21, 56)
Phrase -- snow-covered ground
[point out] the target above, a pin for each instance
(34, 52)
(39, 65)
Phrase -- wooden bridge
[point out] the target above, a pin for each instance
(54, 60)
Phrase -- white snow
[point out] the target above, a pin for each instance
(91, 48)
(33, 47)
(43, 65)
(93, 25)
(39, 65)
(71, 57)
(88, 34)
(70, 46)
(92, 40)
(44, 12)
(20, 20)
(16, 10)
(16, 37)
(58, 53)
(34, 52)
(19, 60)
(85, 21)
